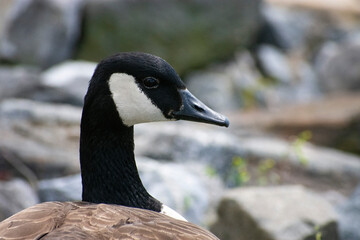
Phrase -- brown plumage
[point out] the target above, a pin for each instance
(81, 220)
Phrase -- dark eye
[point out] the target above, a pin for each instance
(151, 82)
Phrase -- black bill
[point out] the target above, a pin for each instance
(194, 110)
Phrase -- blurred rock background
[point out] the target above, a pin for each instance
(286, 72)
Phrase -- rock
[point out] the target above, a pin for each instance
(184, 142)
(188, 34)
(63, 189)
(229, 86)
(18, 81)
(15, 195)
(40, 32)
(217, 149)
(332, 121)
(349, 219)
(338, 66)
(239, 84)
(281, 213)
(339, 6)
(70, 79)
(193, 197)
(43, 136)
(304, 25)
(275, 63)
(291, 28)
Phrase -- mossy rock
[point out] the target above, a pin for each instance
(188, 34)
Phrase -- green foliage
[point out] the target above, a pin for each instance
(239, 173)
(263, 170)
(298, 146)
(318, 235)
(210, 171)
(187, 202)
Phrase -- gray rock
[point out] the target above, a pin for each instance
(349, 217)
(43, 136)
(210, 31)
(338, 115)
(291, 27)
(239, 84)
(183, 142)
(338, 66)
(18, 81)
(228, 86)
(69, 79)
(66, 188)
(281, 213)
(316, 160)
(275, 63)
(296, 81)
(183, 187)
(216, 148)
(40, 32)
(15, 195)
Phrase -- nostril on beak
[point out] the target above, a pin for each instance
(198, 108)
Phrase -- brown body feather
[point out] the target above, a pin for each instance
(81, 220)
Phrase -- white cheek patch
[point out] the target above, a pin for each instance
(132, 104)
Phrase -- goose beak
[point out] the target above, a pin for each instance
(193, 109)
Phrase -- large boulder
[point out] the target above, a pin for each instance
(45, 137)
(274, 213)
(66, 82)
(40, 32)
(338, 66)
(188, 34)
(218, 149)
(332, 121)
(229, 86)
(18, 81)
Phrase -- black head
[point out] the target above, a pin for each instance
(145, 88)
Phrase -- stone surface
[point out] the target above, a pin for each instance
(40, 32)
(275, 63)
(188, 34)
(69, 79)
(216, 148)
(338, 66)
(15, 195)
(274, 213)
(18, 81)
(349, 220)
(43, 136)
(345, 6)
(228, 86)
(185, 188)
(333, 121)
(239, 84)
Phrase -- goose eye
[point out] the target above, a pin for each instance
(150, 82)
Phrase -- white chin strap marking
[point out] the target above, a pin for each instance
(171, 213)
(132, 104)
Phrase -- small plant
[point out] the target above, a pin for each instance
(263, 169)
(298, 146)
(210, 171)
(239, 173)
(318, 235)
(187, 203)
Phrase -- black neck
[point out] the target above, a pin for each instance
(108, 168)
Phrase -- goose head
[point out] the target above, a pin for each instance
(145, 88)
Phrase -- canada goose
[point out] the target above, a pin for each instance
(126, 89)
